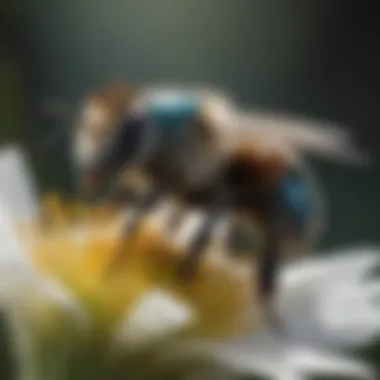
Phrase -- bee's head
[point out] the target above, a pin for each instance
(98, 122)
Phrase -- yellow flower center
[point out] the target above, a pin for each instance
(76, 245)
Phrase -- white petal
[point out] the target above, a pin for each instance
(372, 290)
(17, 186)
(330, 300)
(26, 301)
(25, 298)
(156, 315)
(45, 328)
(349, 313)
(275, 358)
(11, 251)
(319, 362)
(18, 279)
(350, 263)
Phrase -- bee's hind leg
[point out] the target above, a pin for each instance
(270, 260)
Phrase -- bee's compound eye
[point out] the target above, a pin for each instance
(122, 147)
(130, 135)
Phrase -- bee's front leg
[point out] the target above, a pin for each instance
(189, 265)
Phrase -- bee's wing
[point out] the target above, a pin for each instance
(293, 135)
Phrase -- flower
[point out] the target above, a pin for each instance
(67, 317)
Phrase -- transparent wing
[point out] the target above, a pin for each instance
(292, 136)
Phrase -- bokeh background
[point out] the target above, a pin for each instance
(319, 58)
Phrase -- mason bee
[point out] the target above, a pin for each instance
(199, 147)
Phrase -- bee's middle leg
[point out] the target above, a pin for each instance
(142, 206)
(175, 218)
(202, 238)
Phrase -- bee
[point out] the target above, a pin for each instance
(199, 147)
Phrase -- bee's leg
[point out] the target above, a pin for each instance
(189, 265)
(141, 207)
(175, 218)
(270, 259)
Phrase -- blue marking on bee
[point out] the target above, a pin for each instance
(172, 113)
(296, 199)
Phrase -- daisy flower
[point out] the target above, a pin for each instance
(67, 318)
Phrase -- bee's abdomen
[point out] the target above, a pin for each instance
(254, 181)
(251, 179)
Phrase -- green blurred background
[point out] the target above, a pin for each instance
(316, 57)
